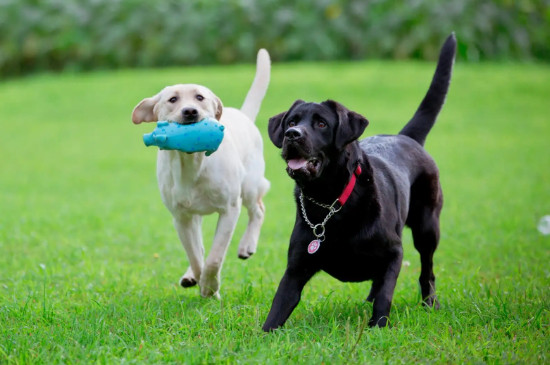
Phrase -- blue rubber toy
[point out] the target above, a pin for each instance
(205, 135)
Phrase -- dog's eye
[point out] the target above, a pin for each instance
(173, 99)
(291, 123)
(321, 124)
(199, 97)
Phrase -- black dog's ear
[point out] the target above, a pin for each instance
(275, 126)
(275, 129)
(351, 124)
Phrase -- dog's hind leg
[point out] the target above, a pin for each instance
(376, 284)
(424, 223)
(190, 235)
(256, 213)
(249, 241)
(426, 240)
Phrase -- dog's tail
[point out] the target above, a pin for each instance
(426, 114)
(253, 101)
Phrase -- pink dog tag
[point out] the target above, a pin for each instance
(313, 246)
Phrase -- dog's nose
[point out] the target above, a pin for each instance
(190, 114)
(293, 133)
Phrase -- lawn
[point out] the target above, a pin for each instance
(89, 260)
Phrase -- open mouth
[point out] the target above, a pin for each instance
(300, 164)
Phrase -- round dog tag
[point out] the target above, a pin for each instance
(313, 246)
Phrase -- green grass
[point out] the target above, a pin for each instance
(89, 260)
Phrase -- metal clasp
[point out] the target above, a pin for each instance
(335, 207)
(319, 231)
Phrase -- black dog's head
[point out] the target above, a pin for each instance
(312, 135)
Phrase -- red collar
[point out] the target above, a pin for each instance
(343, 198)
(349, 187)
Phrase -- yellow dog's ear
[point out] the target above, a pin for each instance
(145, 110)
(219, 108)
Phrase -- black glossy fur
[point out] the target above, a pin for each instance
(399, 186)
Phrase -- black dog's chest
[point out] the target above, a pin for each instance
(349, 252)
(351, 259)
(353, 268)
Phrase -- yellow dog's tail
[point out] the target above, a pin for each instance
(253, 100)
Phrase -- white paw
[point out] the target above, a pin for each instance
(188, 279)
(210, 286)
(245, 253)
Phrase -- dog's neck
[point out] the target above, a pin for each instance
(336, 175)
(185, 166)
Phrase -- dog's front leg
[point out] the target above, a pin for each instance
(287, 297)
(383, 290)
(210, 279)
(190, 235)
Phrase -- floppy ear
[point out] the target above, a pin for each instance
(144, 111)
(275, 126)
(219, 108)
(351, 124)
(275, 129)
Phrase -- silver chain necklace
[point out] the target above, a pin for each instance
(319, 228)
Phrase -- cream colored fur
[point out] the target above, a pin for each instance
(193, 185)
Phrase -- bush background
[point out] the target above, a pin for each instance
(75, 35)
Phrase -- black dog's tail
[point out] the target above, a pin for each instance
(426, 114)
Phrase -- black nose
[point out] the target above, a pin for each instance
(293, 133)
(190, 114)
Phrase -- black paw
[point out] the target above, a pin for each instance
(431, 302)
(378, 322)
(269, 328)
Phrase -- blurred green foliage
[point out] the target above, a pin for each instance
(40, 35)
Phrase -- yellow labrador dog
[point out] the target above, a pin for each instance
(193, 185)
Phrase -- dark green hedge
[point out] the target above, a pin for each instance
(86, 34)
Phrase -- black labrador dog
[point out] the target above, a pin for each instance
(354, 197)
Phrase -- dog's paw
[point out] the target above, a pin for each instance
(431, 302)
(208, 293)
(245, 255)
(210, 284)
(188, 279)
(378, 322)
(187, 282)
(247, 248)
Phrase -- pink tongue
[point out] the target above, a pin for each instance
(297, 163)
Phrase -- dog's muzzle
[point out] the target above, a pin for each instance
(300, 164)
(189, 115)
